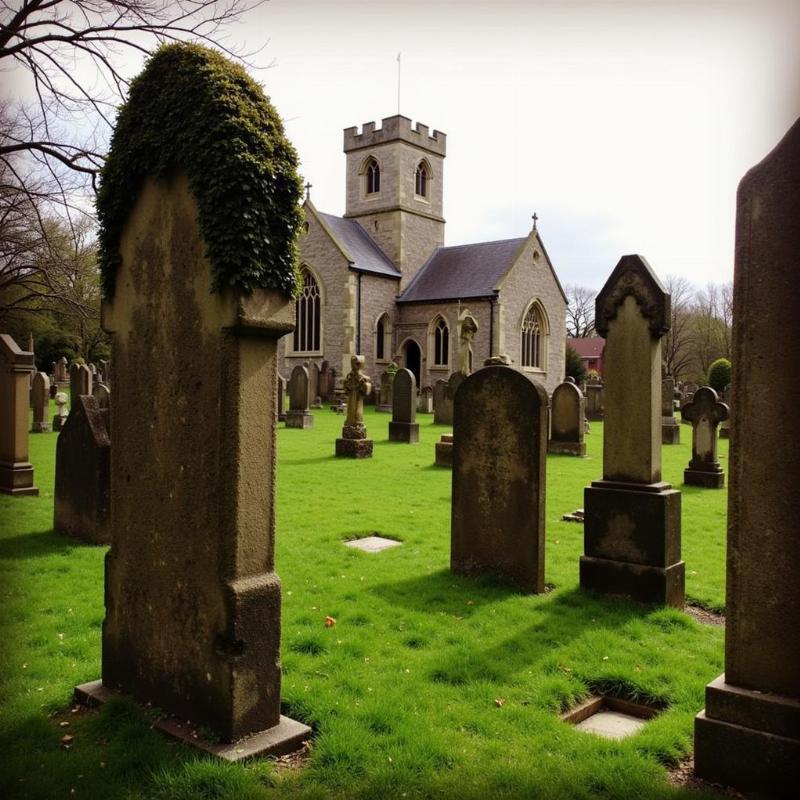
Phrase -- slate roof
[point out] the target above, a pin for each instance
(463, 271)
(363, 253)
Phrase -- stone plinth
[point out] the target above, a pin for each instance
(299, 419)
(404, 427)
(567, 426)
(83, 464)
(353, 442)
(749, 735)
(498, 497)
(444, 451)
(632, 544)
(16, 366)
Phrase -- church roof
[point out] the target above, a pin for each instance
(364, 255)
(463, 271)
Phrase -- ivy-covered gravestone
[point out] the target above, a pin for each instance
(199, 211)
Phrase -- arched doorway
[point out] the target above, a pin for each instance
(412, 356)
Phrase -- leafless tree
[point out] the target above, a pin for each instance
(580, 310)
(712, 322)
(677, 346)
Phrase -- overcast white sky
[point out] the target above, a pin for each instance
(625, 125)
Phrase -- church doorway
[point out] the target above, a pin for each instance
(412, 356)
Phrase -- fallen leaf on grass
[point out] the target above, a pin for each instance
(329, 622)
(499, 702)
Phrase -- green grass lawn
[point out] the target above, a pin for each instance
(428, 686)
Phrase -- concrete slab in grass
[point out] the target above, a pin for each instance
(372, 544)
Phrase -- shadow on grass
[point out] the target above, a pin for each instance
(39, 544)
(315, 460)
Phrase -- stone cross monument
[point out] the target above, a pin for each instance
(705, 412)
(354, 442)
(632, 539)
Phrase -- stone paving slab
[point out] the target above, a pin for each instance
(372, 544)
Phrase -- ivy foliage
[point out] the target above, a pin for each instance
(193, 110)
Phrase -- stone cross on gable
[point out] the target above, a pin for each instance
(535, 219)
(309, 187)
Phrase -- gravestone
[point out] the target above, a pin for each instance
(443, 409)
(83, 464)
(298, 415)
(725, 425)
(404, 426)
(102, 394)
(594, 402)
(53, 388)
(192, 598)
(632, 531)
(16, 472)
(60, 417)
(670, 429)
(62, 375)
(567, 420)
(705, 412)
(325, 387)
(281, 399)
(748, 736)
(498, 498)
(353, 442)
(314, 400)
(385, 392)
(443, 451)
(40, 400)
(80, 382)
(425, 400)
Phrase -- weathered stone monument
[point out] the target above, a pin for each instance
(62, 374)
(16, 472)
(83, 463)
(60, 417)
(40, 401)
(670, 429)
(385, 392)
(281, 398)
(192, 598)
(468, 330)
(298, 415)
(404, 426)
(443, 451)
(314, 399)
(567, 420)
(632, 532)
(102, 394)
(705, 412)
(443, 397)
(425, 400)
(80, 382)
(499, 451)
(353, 442)
(748, 736)
(594, 402)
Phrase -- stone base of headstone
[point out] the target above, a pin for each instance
(17, 479)
(444, 451)
(567, 448)
(730, 751)
(407, 432)
(285, 737)
(670, 432)
(41, 427)
(708, 479)
(632, 542)
(299, 419)
(354, 442)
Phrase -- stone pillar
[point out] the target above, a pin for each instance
(498, 498)
(705, 412)
(192, 598)
(16, 472)
(404, 426)
(298, 415)
(40, 402)
(632, 539)
(748, 736)
(567, 425)
(670, 429)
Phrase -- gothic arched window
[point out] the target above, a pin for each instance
(421, 180)
(441, 343)
(308, 333)
(533, 338)
(383, 332)
(373, 172)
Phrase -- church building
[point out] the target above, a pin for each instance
(380, 281)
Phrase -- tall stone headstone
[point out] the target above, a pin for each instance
(594, 402)
(314, 400)
(80, 381)
(385, 392)
(632, 528)
(16, 472)
(353, 442)
(748, 736)
(443, 400)
(40, 400)
(62, 374)
(298, 415)
(567, 420)
(281, 401)
(670, 429)
(705, 412)
(439, 397)
(404, 426)
(498, 497)
(83, 464)
(102, 394)
(425, 400)
(325, 386)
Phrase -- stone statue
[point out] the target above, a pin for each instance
(354, 442)
(468, 330)
(61, 411)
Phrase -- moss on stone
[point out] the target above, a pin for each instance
(193, 110)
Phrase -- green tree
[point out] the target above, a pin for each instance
(574, 366)
(719, 374)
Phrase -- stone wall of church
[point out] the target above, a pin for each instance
(531, 278)
(377, 297)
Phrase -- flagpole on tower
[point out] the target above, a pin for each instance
(398, 84)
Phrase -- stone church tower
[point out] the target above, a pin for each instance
(394, 189)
